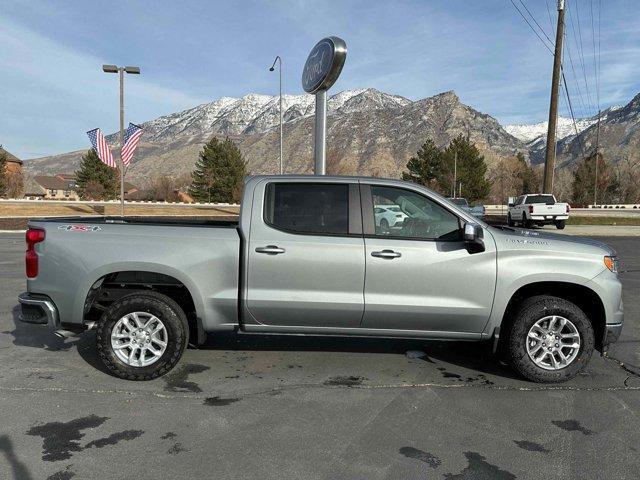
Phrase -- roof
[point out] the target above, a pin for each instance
(11, 157)
(51, 183)
(32, 188)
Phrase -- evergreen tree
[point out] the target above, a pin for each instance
(3, 172)
(584, 179)
(527, 176)
(426, 167)
(218, 173)
(96, 180)
(471, 170)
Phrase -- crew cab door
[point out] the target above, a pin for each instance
(306, 254)
(422, 275)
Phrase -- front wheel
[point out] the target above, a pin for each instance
(384, 225)
(142, 336)
(560, 224)
(551, 340)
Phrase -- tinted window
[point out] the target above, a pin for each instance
(419, 216)
(546, 199)
(308, 208)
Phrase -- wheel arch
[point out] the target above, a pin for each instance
(582, 296)
(112, 284)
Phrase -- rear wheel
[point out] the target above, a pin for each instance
(525, 222)
(560, 224)
(551, 340)
(510, 221)
(142, 336)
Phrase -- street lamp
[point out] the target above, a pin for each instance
(121, 71)
(279, 60)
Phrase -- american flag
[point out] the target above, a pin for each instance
(101, 147)
(131, 138)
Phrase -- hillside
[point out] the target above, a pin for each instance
(369, 132)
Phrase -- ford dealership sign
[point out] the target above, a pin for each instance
(324, 64)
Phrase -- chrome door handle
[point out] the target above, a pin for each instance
(390, 254)
(270, 250)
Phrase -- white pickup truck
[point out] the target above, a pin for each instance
(537, 209)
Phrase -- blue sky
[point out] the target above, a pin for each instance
(52, 89)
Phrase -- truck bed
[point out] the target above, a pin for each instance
(230, 221)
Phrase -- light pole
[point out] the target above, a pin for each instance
(279, 60)
(121, 71)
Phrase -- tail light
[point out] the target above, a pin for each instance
(33, 236)
(568, 208)
(530, 208)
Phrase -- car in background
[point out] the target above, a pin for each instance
(477, 211)
(537, 209)
(388, 216)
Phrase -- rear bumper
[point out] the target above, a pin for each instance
(612, 333)
(548, 218)
(38, 309)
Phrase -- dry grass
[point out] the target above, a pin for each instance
(35, 209)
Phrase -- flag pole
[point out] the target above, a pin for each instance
(121, 72)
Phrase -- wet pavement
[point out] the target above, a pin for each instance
(312, 407)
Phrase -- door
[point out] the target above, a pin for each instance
(306, 255)
(421, 275)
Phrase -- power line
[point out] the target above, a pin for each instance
(531, 27)
(581, 52)
(575, 126)
(575, 79)
(536, 22)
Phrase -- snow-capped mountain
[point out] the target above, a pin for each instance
(535, 134)
(255, 113)
(369, 133)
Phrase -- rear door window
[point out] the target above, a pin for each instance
(308, 208)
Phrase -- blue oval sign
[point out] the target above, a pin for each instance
(324, 64)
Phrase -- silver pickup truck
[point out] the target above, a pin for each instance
(307, 257)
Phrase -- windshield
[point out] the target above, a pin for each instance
(394, 209)
(546, 199)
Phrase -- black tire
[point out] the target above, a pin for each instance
(525, 222)
(510, 221)
(560, 224)
(532, 310)
(163, 307)
(384, 225)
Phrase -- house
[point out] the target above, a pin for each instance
(14, 164)
(13, 174)
(58, 187)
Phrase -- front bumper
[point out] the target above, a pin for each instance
(612, 333)
(38, 309)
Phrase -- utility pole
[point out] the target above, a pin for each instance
(455, 172)
(550, 156)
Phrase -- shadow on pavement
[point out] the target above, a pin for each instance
(20, 471)
(470, 355)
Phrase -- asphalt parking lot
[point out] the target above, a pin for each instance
(278, 407)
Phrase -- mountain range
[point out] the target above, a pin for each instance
(369, 133)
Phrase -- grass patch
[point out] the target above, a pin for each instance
(624, 221)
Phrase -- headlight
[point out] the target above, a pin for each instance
(611, 263)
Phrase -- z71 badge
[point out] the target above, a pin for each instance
(79, 228)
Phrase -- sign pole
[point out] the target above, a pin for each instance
(320, 158)
(321, 70)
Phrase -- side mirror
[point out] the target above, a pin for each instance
(473, 235)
